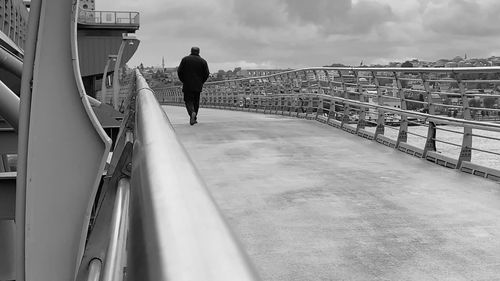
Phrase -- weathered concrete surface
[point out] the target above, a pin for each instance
(311, 202)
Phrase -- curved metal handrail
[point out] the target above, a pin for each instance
(115, 254)
(176, 230)
(371, 69)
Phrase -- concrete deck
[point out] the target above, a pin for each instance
(311, 202)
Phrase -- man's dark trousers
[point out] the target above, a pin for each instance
(192, 101)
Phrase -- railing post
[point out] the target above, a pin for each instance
(276, 103)
(428, 93)
(430, 144)
(362, 113)
(320, 107)
(317, 76)
(306, 73)
(466, 150)
(345, 95)
(265, 82)
(310, 106)
(295, 79)
(403, 127)
(381, 114)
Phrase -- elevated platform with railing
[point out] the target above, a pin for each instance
(109, 19)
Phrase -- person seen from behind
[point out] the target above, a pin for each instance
(193, 72)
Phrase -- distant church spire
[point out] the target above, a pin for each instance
(163, 63)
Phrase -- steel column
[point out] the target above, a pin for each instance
(64, 172)
(116, 77)
(105, 76)
(9, 106)
(10, 62)
(23, 135)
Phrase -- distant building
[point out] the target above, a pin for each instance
(172, 72)
(451, 64)
(495, 61)
(465, 64)
(440, 63)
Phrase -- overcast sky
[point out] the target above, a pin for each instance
(302, 33)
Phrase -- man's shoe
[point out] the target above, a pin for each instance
(192, 121)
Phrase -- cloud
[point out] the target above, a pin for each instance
(341, 16)
(259, 14)
(462, 17)
(317, 11)
(299, 33)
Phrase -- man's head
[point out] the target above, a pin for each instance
(195, 51)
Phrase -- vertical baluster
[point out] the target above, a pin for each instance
(281, 91)
(320, 99)
(243, 86)
(381, 117)
(273, 94)
(288, 94)
(361, 112)
(466, 150)
(277, 97)
(403, 128)
(345, 95)
(430, 144)
(272, 80)
(296, 95)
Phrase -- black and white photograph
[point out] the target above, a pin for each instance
(245, 140)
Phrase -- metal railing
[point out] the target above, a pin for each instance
(108, 18)
(173, 228)
(116, 253)
(434, 113)
(177, 230)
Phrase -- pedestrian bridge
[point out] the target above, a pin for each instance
(312, 202)
(337, 173)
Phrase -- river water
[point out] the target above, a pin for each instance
(478, 157)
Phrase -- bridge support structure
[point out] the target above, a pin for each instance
(60, 165)
(109, 61)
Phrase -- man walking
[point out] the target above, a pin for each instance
(193, 72)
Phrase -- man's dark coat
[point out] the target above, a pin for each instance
(193, 72)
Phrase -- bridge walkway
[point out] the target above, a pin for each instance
(311, 202)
